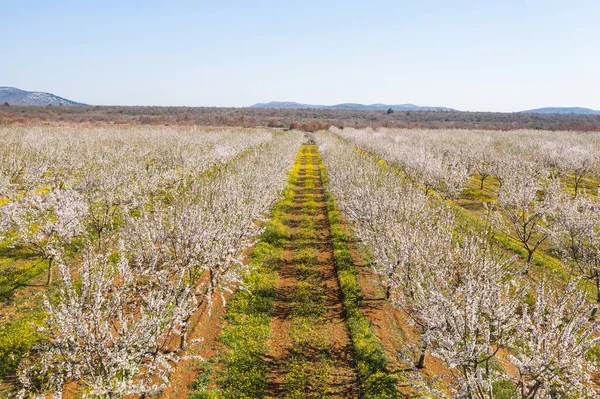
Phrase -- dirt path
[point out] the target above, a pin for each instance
(309, 351)
(203, 326)
(279, 343)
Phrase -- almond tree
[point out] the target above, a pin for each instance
(109, 328)
(523, 207)
(201, 242)
(552, 346)
(571, 158)
(482, 161)
(472, 313)
(473, 309)
(5, 187)
(576, 233)
(45, 223)
(108, 193)
(548, 344)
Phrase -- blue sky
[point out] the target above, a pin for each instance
(470, 55)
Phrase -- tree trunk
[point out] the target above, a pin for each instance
(421, 362)
(593, 315)
(529, 258)
(577, 182)
(525, 269)
(183, 336)
(49, 281)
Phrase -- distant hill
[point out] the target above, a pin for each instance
(16, 96)
(287, 104)
(562, 110)
(350, 106)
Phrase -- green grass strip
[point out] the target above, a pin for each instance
(309, 366)
(16, 339)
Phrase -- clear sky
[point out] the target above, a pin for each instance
(471, 55)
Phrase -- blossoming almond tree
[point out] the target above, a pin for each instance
(472, 313)
(524, 204)
(576, 233)
(109, 328)
(45, 223)
(552, 346)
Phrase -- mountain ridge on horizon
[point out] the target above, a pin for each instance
(351, 106)
(562, 110)
(15, 96)
(413, 107)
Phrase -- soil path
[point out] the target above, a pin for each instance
(310, 234)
